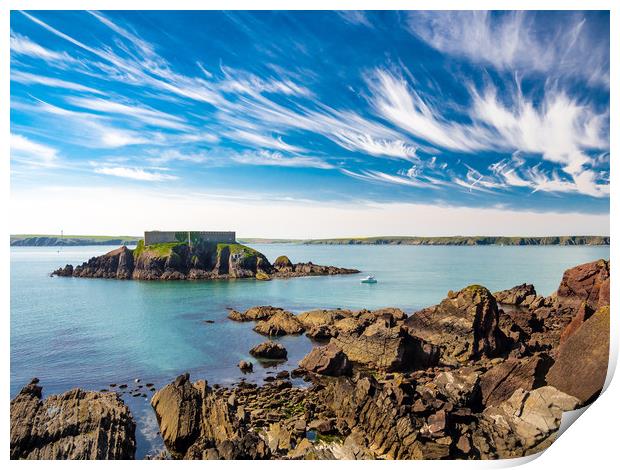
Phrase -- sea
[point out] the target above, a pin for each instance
(90, 333)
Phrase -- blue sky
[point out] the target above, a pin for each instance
(479, 110)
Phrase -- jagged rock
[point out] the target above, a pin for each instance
(327, 360)
(310, 269)
(278, 438)
(279, 324)
(583, 313)
(500, 381)
(197, 424)
(177, 407)
(67, 271)
(580, 368)
(524, 424)
(349, 325)
(380, 346)
(321, 333)
(245, 366)
(73, 425)
(515, 295)
(269, 350)
(283, 264)
(464, 326)
(461, 386)
(263, 312)
(587, 283)
(396, 313)
(317, 318)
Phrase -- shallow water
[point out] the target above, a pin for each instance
(72, 332)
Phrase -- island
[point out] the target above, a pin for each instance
(192, 256)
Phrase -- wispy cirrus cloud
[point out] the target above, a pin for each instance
(31, 153)
(383, 124)
(21, 45)
(139, 174)
(560, 129)
(518, 40)
(34, 79)
(132, 111)
(266, 141)
(268, 158)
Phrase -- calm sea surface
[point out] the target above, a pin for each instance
(90, 332)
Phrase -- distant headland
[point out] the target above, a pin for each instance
(84, 240)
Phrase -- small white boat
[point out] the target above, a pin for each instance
(368, 280)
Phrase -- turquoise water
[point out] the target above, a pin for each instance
(91, 332)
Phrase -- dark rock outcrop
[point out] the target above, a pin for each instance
(280, 324)
(262, 312)
(196, 424)
(73, 425)
(516, 295)
(500, 381)
(464, 326)
(385, 347)
(587, 283)
(580, 368)
(269, 350)
(327, 360)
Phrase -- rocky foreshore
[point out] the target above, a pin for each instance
(469, 378)
(180, 261)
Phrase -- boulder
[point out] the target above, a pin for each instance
(321, 333)
(177, 407)
(587, 283)
(461, 386)
(499, 382)
(263, 312)
(327, 360)
(76, 424)
(269, 350)
(516, 295)
(282, 263)
(279, 324)
(395, 313)
(195, 423)
(464, 326)
(317, 318)
(245, 366)
(524, 424)
(387, 348)
(580, 368)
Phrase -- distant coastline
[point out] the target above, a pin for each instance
(570, 240)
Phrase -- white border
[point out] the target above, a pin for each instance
(591, 443)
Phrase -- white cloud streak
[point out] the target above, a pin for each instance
(560, 129)
(33, 79)
(267, 158)
(134, 173)
(518, 40)
(30, 153)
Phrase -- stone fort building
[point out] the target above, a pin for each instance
(154, 236)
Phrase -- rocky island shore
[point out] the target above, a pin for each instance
(182, 261)
(481, 375)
